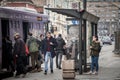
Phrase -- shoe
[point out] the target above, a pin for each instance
(51, 71)
(90, 72)
(59, 67)
(45, 73)
(95, 73)
(39, 70)
(34, 70)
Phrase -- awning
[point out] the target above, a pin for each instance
(76, 14)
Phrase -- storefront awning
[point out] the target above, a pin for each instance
(76, 14)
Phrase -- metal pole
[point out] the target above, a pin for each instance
(85, 57)
(80, 43)
(84, 36)
(84, 4)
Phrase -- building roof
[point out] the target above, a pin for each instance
(76, 14)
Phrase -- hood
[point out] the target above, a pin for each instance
(59, 38)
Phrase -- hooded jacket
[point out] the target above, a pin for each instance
(60, 43)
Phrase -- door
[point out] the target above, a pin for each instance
(5, 34)
(25, 30)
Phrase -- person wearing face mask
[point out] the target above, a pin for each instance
(95, 46)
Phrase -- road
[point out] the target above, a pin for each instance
(109, 69)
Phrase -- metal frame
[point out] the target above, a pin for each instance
(82, 16)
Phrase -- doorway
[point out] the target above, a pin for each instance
(25, 30)
(5, 34)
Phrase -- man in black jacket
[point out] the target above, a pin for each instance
(48, 45)
(59, 50)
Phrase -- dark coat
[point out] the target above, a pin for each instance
(60, 43)
(19, 47)
(52, 47)
(95, 48)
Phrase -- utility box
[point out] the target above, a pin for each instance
(68, 69)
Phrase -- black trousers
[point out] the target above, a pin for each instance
(21, 65)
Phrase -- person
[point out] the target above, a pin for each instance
(33, 51)
(48, 45)
(9, 55)
(95, 46)
(40, 57)
(59, 50)
(20, 55)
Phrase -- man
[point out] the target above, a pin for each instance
(34, 52)
(40, 57)
(9, 55)
(20, 55)
(48, 45)
(59, 50)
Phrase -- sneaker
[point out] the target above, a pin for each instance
(95, 73)
(90, 72)
(45, 72)
(51, 71)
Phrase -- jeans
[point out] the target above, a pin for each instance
(94, 63)
(47, 57)
(59, 59)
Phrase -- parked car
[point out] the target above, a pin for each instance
(107, 40)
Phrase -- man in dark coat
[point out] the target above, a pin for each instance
(20, 55)
(59, 50)
(49, 43)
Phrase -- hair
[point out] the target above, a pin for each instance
(96, 37)
(48, 32)
(41, 35)
(30, 34)
(59, 35)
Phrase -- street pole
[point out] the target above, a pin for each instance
(80, 43)
(84, 37)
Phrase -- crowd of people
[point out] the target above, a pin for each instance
(28, 56)
(39, 51)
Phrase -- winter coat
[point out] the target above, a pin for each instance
(32, 47)
(60, 43)
(95, 48)
(19, 47)
(45, 46)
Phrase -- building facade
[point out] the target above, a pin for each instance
(32, 4)
(108, 11)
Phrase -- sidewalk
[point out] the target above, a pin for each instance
(109, 70)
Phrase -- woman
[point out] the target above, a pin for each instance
(94, 55)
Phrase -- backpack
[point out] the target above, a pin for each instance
(33, 46)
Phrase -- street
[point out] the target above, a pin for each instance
(109, 69)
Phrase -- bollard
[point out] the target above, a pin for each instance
(117, 43)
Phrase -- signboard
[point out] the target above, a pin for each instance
(75, 22)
